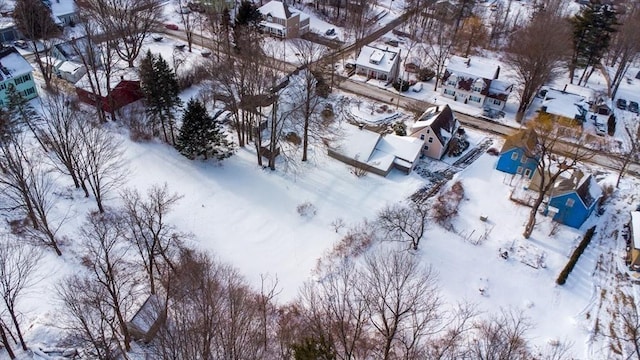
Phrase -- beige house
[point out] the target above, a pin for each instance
(435, 127)
(280, 21)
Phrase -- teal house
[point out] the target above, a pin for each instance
(15, 72)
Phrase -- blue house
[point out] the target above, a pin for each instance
(573, 200)
(518, 155)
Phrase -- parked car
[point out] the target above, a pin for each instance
(330, 32)
(601, 129)
(417, 87)
(621, 104)
(21, 44)
(171, 26)
(157, 38)
(633, 107)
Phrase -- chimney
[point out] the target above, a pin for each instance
(121, 77)
(468, 62)
(437, 109)
(497, 72)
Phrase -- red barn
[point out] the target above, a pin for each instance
(123, 93)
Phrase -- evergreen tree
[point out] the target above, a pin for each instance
(246, 30)
(592, 30)
(201, 135)
(159, 85)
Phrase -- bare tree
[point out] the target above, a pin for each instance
(404, 223)
(624, 47)
(61, 134)
(501, 337)
(402, 301)
(307, 97)
(535, 52)
(627, 319)
(555, 158)
(625, 159)
(130, 21)
(471, 35)
(154, 239)
(88, 318)
(101, 162)
(18, 265)
(438, 49)
(189, 20)
(35, 21)
(335, 312)
(107, 260)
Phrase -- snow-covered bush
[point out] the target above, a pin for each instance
(306, 209)
(445, 208)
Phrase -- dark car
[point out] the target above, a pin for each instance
(171, 26)
(330, 32)
(621, 104)
(633, 107)
(21, 44)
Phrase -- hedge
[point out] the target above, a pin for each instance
(562, 278)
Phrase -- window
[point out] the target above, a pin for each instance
(3, 86)
(524, 159)
(449, 92)
(430, 139)
(497, 102)
(477, 88)
(426, 147)
(514, 156)
(29, 91)
(475, 98)
(19, 80)
(527, 172)
(570, 202)
(428, 131)
(452, 81)
(421, 136)
(519, 170)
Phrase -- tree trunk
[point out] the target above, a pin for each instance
(531, 223)
(16, 324)
(6, 343)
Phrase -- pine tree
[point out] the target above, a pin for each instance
(160, 88)
(592, 30)
(201, 135)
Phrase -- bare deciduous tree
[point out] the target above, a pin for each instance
(101, 162)
(555, 157)
(402, 301)
(624, 47)
(107, 259)
(18, 265)
(154, 239)
(501, 336)
(404, 223)
(535, 52)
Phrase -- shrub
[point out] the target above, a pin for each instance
(426, 74)
(445, 207)
(401, 85)
(562, 278)
(400, 128)
(306, 209)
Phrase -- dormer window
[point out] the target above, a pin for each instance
(478, 86)
(452, 80)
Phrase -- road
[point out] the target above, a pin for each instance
(392, 98)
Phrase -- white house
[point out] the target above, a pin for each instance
(435, 128)
(376, 153)
(376, 63)
(281, 21)
(474, 81)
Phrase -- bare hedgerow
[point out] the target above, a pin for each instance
(445, 208)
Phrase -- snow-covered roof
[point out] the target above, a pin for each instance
(63, 7)
(117, 75)
(563, 103)
(12, 64)
(635, 227)
(474, 66)
(378, 151)
(377, 59)
(499, 87)
(70, 66)
(279, 10)
(441, 121)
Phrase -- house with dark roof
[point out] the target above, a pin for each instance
(519, 155)
(572, 198)
(281, 21)
(435, 128)
(474, 81)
